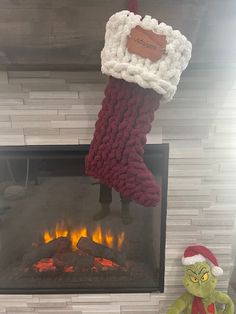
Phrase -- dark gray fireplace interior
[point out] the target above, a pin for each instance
(56, 209)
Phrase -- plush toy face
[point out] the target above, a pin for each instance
(198, 280)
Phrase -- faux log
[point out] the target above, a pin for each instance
(92, 248)
(57, 246)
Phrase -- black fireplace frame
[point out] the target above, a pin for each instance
(70, 151)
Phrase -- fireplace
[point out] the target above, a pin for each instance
(55, 237)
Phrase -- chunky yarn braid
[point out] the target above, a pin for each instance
(116, 152)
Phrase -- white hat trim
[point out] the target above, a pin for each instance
(163, 75)
(216, 270)
(191, 260)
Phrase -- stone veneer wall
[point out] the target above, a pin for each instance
(61, 108)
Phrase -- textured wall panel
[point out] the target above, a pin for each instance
(199, 124)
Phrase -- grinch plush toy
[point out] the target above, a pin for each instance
(200, 279)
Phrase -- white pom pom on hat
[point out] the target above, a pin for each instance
(200, 253)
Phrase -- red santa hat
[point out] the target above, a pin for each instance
(199, 253)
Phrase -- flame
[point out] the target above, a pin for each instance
(75, 235)
(98, 236)
(47, 237)
(121, 238)
(109, 239)
(61, 230)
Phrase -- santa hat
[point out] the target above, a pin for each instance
(199, 253)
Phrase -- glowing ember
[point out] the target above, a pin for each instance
(105, 262)
(47, 264)
(69, 269)
(44, 265)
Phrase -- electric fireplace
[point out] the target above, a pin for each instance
(61, 231)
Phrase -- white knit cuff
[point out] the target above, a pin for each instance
(163, 75)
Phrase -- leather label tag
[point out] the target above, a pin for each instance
(146, 43)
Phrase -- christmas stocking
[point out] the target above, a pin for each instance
(144, 60)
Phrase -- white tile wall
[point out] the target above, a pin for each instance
(61, 107)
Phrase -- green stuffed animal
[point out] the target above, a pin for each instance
(200, 279)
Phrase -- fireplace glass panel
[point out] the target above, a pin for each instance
(50, 238)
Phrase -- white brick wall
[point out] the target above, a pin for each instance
(61, 107)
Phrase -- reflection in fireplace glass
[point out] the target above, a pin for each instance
(61, 231)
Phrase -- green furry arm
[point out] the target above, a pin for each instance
(180, 304)
(223, 298)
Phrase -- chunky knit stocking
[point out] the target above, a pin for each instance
(144, 60)
(116, 152)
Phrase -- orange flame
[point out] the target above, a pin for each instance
(61, 230)
(109, 239)
(98, 236)
(121, 238)
(47, 237)
(75, 235)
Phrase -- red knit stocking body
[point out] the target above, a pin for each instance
(116, 152)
